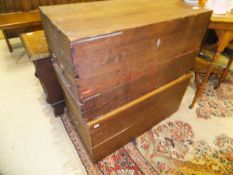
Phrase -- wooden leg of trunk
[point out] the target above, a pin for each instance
(225, 72)
(7, 41)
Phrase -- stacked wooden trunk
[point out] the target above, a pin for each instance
(123, 65)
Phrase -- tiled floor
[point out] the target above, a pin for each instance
(32, 140)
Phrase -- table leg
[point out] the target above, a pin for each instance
(225, 72)
(7, 41)
(220, 48)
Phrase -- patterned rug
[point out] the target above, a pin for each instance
(190, 142)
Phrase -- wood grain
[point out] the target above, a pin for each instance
(99, 18)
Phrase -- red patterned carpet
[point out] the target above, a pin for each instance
(190, 142)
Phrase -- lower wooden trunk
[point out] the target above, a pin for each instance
(104, 135)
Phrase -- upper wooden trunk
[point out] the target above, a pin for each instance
(112, 52)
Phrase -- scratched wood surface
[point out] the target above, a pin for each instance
(98, 18)
(112, 52)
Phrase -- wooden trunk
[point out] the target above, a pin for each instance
(110, 54)
(109, 60)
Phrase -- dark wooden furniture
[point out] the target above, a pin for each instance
(26, 20)
(37, 50)
(223, 25)
(123, 65)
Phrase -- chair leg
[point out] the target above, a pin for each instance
(200, 88)
(220, 47)
(225, 72)
(7, 42)
(197, 78)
